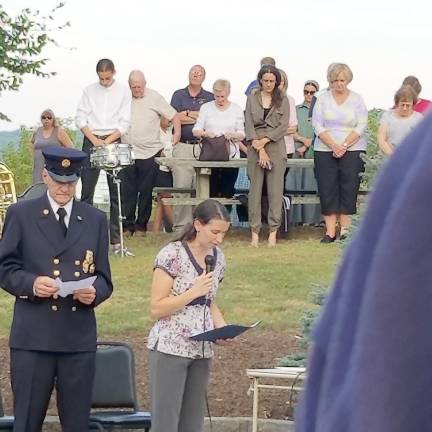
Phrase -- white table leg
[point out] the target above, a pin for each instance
(255, 406)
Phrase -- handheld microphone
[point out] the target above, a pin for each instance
(210, 263)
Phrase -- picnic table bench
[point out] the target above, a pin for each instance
(203, 171)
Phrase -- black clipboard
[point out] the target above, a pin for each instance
(229, 331)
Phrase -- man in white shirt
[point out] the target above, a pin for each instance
(138, 180)
(103, 115)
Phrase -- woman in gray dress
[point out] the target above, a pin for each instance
(50, 134)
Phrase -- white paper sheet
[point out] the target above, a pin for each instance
(67, 288)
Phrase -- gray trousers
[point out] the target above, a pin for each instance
(178, 392)
(275, 185)
(183, 177)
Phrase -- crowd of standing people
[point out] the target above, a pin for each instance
(328, 125)
(53, 335)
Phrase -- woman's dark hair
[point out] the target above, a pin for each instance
(204, 212)
(277, 95)
(104, 65)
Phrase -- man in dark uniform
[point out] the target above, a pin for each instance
(53, 338)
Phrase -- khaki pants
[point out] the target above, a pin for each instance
(183, 177)
(275, 186)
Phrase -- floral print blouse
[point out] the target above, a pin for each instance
(170, 334)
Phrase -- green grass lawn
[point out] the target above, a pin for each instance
(271, 284)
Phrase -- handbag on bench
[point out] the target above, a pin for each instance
(214, 149)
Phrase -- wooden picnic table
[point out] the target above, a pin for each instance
(203, 171)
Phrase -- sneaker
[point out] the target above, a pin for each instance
(327, 239)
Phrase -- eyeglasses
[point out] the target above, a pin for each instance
(306, 92)
(46, 118)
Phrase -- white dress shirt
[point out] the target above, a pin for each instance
(105, 109)
(55, 207)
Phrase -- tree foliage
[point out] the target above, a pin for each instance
(20, 160)
(23, 38)
(374, 159)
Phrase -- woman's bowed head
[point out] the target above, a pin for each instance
(211, 221)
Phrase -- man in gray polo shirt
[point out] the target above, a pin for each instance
(187, 102)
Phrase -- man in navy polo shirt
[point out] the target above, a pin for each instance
(187, 102)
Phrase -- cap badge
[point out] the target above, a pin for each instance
(66, 163)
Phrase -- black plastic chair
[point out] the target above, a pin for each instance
(33, 191)
(114, 389)
(6, 422)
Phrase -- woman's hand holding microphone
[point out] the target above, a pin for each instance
(202, 285)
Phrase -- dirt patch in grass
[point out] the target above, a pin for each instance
(228, 383)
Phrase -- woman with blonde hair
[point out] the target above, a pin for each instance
(49, 134)
(339, 119)
(222, 117)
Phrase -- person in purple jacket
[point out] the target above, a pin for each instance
(370, 363)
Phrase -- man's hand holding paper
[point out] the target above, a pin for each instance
(82, 290)
(85, 295)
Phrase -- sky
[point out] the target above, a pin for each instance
(381, 40)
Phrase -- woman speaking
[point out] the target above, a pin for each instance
(183, 301)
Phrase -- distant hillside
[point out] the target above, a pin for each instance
(7, 137)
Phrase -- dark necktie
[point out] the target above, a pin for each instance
(62, 213)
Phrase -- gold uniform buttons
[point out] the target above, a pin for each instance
(56, 272)
(74, 308)
(77, 262)
(56, 261)
(77, 274)
(54, 308)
